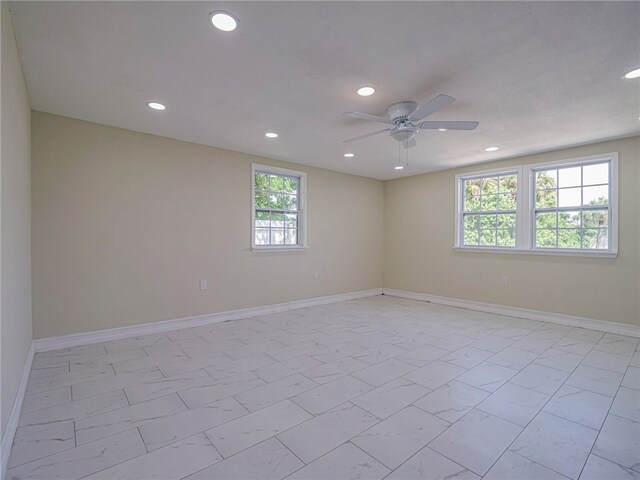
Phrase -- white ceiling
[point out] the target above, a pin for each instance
(537, 75)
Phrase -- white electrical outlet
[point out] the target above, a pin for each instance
(203, 284)
(504, 280)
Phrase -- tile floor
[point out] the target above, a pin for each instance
(374, 388)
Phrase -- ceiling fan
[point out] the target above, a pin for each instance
(405, 119)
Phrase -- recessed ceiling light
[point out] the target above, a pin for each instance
(271, 135)
(366, 91)
(442, 129)
(491, 149)
(398, 167)
(223, 20)
(633, 73)
(156, 106)
(349, 155)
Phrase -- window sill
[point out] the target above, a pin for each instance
(550, 252)
(270, 249)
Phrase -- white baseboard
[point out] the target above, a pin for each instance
(88, 338)
(14, 416)
(593, 324)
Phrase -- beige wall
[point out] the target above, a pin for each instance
(419, 236)
(15, 208)
(126, 224)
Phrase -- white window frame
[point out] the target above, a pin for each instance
(302, 209)
(525, 218)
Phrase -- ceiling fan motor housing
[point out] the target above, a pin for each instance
(398, 112)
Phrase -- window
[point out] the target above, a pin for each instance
(489, 210)
(278, 199)
(567, 207)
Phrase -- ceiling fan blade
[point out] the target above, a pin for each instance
(449, 125)
(431, 106)
(409, 143)
(366, 116)
(353, 139)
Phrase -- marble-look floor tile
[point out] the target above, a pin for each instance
(580, 406)
(169, 463)
(598, 468)
(572, 345)
(91, 360)
(607, 361)
(100, 426)
(540, 379)
(422, 355)
(631, 379)
(619, 442)
(430, 465)
(511, 465)
(264, 396)
(559, 359)
(114, 382)
(280, 370)
(336, 352)
(452, 401)
(269, 460)
(476, 441)
(162, 386)
(210, 392)
(79, 462)
(73, 411)
(515, 404)
(328, 372)
(172, 368)
(391, 397)
(379, 354)
(513, 358)
(397, 438)
(330, 395)
(45, 399)
(467, 357)
(243, 365)
(347, 462)
(30, 444)
(323, 433)
(71, 378)
(383, 372)
(435, 374)
(556, 443)
(148, 363)
(251, 429)
(627, 404)
(164, 431)
(595, 380)
(492, 343)
(290, 351)
(487, 376)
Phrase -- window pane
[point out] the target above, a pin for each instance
(546, 220)
(506, 238)
(290, 184)
(277, 220)
(546, 198)
(291, 220)
(487, 237)
(488, 221)
(262, 219)
(262, 236)
(546, 179)
(569, 197)
(290, 202)
(507, 201)
(595, 195)
(568, 219)
(276, 183)
(277, 236)
(595, 174)
(471, 222)
(471, 237)
(291, 237)
(276, 201)
(472, 187)
(262, 181)
(595, 218)
(508, 184)
(595, 238)
(569, 177)
(262, 200)
(490, 185)
(546, 238)
(569, 238)
(489, 202)
(472, 204)
(507, 221)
